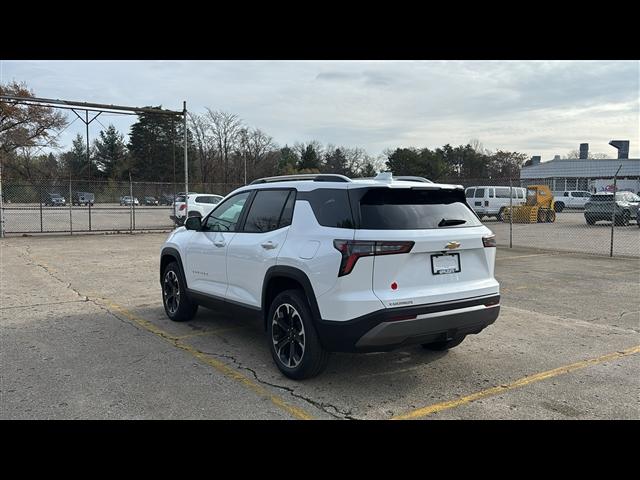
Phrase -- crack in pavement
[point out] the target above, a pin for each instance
(325, 407)
(340, 414)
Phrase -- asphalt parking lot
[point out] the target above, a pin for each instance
(84, 335)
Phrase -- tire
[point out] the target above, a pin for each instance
(623, 220)
(551, 216)
(500, 216)
(177, 305)
(558, 207)
(445, 345)
(590, 220)
(290, 322)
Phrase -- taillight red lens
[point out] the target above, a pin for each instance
(182, 207)
(352, 250)
(489, 241)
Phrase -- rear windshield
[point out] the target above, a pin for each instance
(180, 198)
(410, 209)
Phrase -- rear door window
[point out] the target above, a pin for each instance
(266, 211)
(479, 192)
(411, 209)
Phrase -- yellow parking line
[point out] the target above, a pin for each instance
(438, 407)
(221, 367)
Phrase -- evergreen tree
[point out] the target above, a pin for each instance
(75, 160)
(151, 145)
(111, 153)
(309, 160)
(288, 161)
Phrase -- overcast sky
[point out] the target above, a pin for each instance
(540, 108)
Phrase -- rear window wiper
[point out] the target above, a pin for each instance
(446, 222)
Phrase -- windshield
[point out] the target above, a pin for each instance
(410, 209)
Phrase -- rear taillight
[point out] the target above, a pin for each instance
(182, 207)
(489, 241)
(352, 250)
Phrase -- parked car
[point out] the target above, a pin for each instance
(333, 264)
(128, 201)
(150, 201)
(83, 198)
(602, 206)
(54, 200)
(166, 199)
(571, 199)
(200, 204)
(491, 201)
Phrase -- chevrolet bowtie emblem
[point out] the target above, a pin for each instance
(453, 245)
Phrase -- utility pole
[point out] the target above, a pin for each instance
(614, 205)
(186, 163)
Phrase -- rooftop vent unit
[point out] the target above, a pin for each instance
(622, 146)
(584, 151)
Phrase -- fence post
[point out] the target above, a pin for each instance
(1, 204)
(130, 204)
(40, 193)
(70, 209)
(94, 196)
(613, 210)
(510, 213)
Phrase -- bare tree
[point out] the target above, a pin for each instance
(254, 147)
(205, 146)
(225, 129)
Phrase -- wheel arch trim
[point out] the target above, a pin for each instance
(292, 273)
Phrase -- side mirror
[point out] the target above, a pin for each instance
(193, 223)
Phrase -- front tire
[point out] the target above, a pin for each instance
(590, 220)
(177, 304)
(444, 345)
(293, 341)
(558, 207)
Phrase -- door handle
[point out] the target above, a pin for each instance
(219, 243)
(269, 245)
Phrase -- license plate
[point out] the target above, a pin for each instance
(445, 263)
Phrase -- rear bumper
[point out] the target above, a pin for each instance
(386, 330)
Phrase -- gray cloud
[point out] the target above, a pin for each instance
(543, 108)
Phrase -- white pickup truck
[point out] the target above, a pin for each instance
(571, 199)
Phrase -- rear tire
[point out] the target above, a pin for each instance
(622, 220)
(446, 344)
(559, 207)
(500, 216)
(590, 220)
(551, 216)
(293, 341)
(177, 304)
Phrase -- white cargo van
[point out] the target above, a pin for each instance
(490, 201)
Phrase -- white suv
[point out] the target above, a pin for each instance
(333, 264)
(200, 204)
(570, 199)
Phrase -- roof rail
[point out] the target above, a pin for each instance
(314, 177)
(413, 179)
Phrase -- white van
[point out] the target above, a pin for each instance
(490, 201)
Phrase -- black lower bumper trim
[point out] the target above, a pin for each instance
(379, 331)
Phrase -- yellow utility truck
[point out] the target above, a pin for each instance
(539, 207)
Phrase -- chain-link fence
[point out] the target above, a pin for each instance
(65, 206)
(571, 227)
(74, 206)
